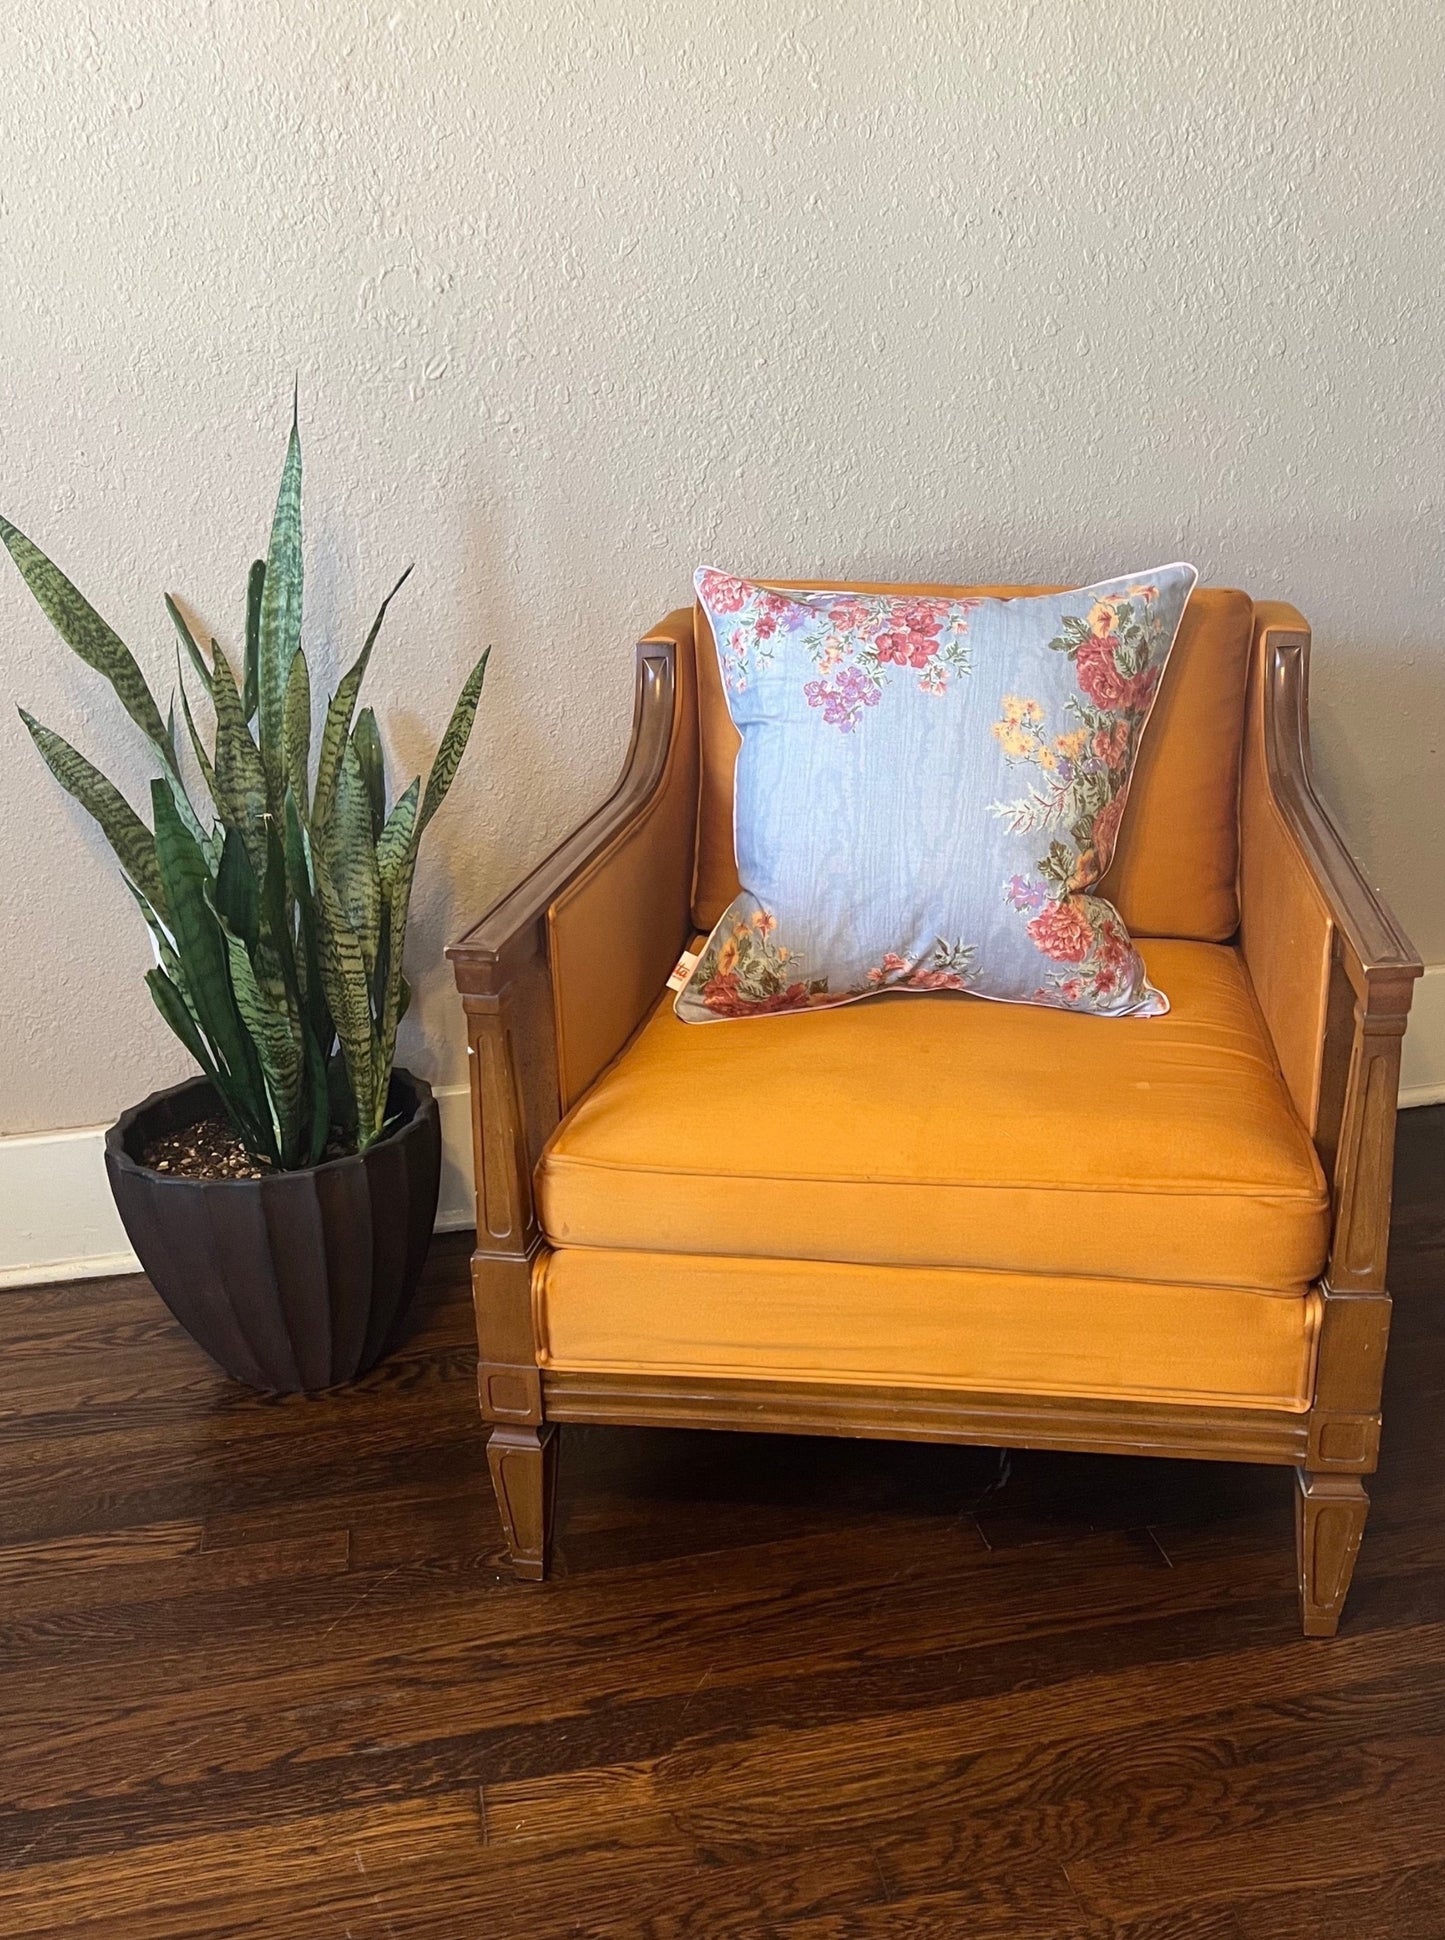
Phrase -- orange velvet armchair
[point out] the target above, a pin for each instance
(928, 1216)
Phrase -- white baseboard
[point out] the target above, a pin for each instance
(1422, 1062)
(58, 1221)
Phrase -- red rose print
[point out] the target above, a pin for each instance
(1106, 830)
(1061, 931)
(723, 592)
(1099, 675)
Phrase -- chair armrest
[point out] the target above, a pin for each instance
(556, 975)
(1332, 968)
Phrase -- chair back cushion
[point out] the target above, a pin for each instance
(1176, 859)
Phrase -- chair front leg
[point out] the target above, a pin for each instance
(1330, 1513)
(523, 1462)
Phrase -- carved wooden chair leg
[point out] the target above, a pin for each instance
(523, 1461)
(1330, 1513)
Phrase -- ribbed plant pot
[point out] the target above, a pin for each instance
(292, 1282)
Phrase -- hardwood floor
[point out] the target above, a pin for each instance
(262, 1673)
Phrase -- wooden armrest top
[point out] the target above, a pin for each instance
(511, 931)
(1364, 921)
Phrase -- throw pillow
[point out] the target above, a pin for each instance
(928, 790)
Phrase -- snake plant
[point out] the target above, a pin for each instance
(279, 912)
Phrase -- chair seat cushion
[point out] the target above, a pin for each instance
(943, 1130)
(667, 1314)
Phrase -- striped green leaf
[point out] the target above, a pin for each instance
(396, 837)
(299, 876)
(336, 729)
(173, 1007)
(187, 640)
(86, 633)
(251, 671)
(318, 1097)
(279, 633)
(367, 743)
(453, 743)
(198, 746)
(398, 908)
(297, 730)
(275, 1033)
(199, 944)
(343, 970)
(350, 857)
(237, 894)
(240, 779)
(122, 828)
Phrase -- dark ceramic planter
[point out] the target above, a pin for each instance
(297, 1281)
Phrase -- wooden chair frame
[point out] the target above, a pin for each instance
(504, 971)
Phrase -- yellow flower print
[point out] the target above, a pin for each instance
(1072, 744)
(727, 957)
(765, 922)
(1018, 712)
(1103, 616)
(1017, 743)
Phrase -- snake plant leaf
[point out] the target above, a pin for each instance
(297, 728)
(318, 1097)
(453, 743)
(198, 746)
(367, 743)
(173, 1007)
(336, 728)
(238, 898)
(350, 855)
(122, 828)
(86, 633)
(250, 677)
(276, 1038)
(277, 920)
(279, 627)
(396, 837)
(343, 970)
(398, 908)
(241, 796)
(196, 930)
(299, 875)
(188, 641)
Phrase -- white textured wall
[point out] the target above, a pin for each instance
(581, 293)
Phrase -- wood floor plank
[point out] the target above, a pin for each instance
(264, 1675)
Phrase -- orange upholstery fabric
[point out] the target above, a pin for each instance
(664, 1313)
(1178, 853)
(1285, 928)
(938, 1130)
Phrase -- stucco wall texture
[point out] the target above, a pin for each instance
(582, 294)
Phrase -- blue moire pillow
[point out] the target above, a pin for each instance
(928, 790)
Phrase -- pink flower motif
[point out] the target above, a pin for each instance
(906, 647)
(1062, 931)
(1106, 687)
(723, 593)
(1105, 831)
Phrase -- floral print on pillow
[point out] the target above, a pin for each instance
(929, 787)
